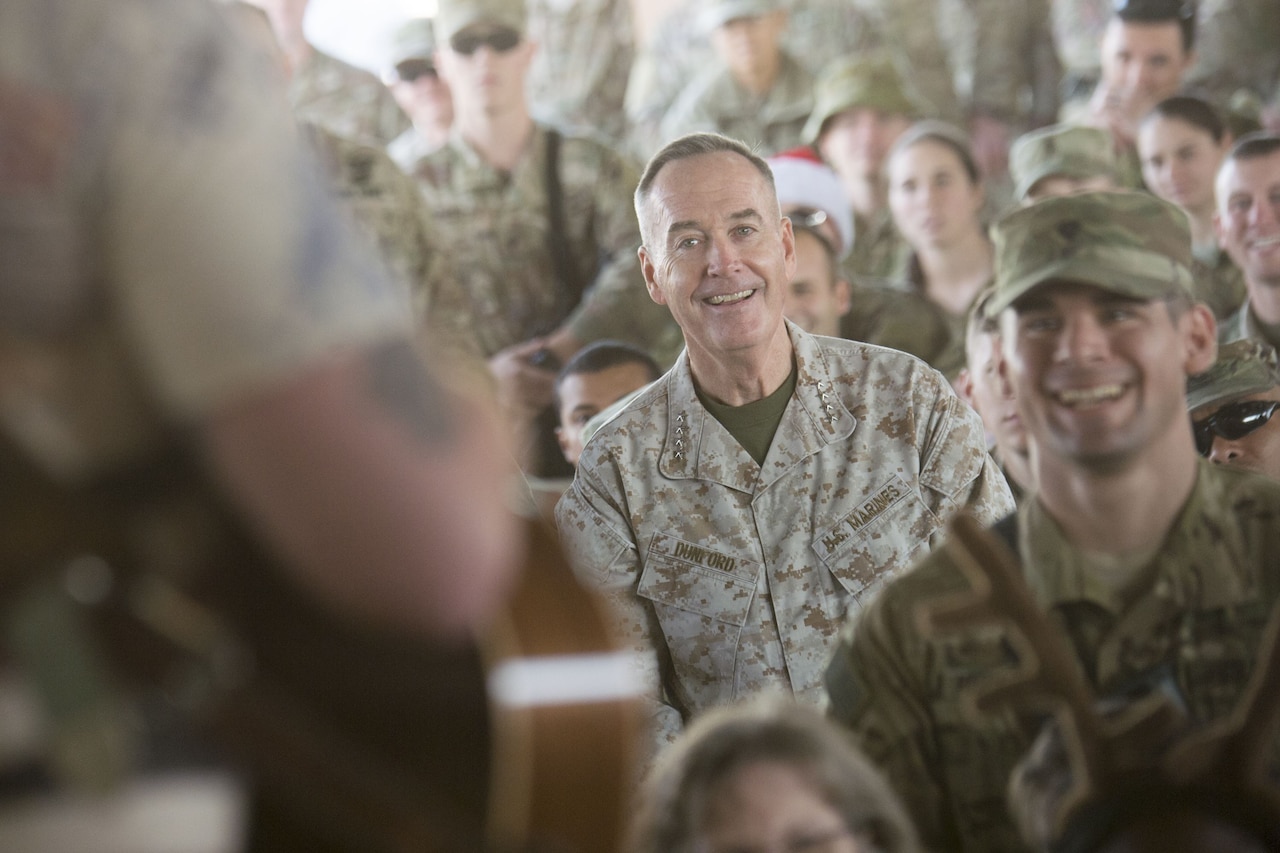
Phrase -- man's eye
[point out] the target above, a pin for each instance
(1116, 315)
(689, 242)
(744, 230)
(1040, 324)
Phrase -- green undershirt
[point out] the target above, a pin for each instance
(753, 425)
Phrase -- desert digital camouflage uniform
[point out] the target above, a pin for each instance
(1194, 626)
(384, 205)
(578, 80)
(493, 283)
(769, 123)
(969, 57)
(347, 100)
(1236, 48)
(732, 578)
(879, 253)
(817, 32)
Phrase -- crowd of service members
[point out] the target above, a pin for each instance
(914, 146)
(898, 133)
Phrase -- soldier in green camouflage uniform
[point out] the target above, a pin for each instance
(1077, 29)
(754, 90)
(424, 96)
(771, 481)
(861, 107)
(325, 90)
(817, 33)
(1160, 568)
(578, 81)
(495, 279)
(1059, 160)
(1233, 406)
(1246, 223)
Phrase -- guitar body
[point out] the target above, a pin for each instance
(354, 738)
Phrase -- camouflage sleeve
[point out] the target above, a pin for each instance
(617, 305)
(598, 544)
(877, 691)
(956, 468)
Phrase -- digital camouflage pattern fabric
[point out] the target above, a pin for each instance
(578, 80)
(769, 123)
(1193, 628)
(731, 578)
(384, 206)
(494, 283)
(345, 99)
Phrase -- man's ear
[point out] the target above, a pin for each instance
(1201, 337)
(563, 441)
(649, 271)
(963, 383)
(844, 296)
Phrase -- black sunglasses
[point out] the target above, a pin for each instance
(413, 69)
(500, 41)
(1233, 421)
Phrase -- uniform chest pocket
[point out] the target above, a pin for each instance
(689, 577)
(882, 536)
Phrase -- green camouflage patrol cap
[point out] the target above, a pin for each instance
(414, 39)
(870, 81)
(1243, 367)
(454, 16)
(717, 13)
(1129, 243)
(1074, 151)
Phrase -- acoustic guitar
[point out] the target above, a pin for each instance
(353, 738)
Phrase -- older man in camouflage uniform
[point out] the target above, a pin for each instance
(534, 231)
(1158, 568)
(771, 481)
(325, 90)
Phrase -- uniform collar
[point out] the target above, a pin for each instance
(697, 446)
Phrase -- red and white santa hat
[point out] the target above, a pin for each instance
(803, 179)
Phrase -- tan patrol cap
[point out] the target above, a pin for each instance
(454, 16)
(1243, 367)
(1129, 243)
(871, 81)
(717, 13)
(1074, 151)
(414, 39)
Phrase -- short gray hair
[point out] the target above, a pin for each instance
(693, 145)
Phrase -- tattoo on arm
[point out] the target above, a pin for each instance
(400, 383)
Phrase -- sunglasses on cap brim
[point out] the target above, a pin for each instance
(499, 41)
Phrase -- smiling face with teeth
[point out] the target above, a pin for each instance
(1248, 218)
(718, 253)
(1100, 378)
